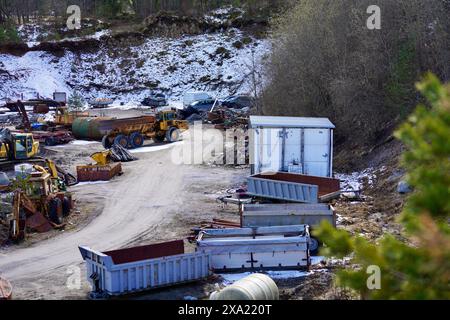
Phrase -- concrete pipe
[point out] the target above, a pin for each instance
(254, 287)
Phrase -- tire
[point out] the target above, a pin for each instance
(173, 135)
(136, 140)
(66, 207)
(106, 143)
(122, 140)
(54, 206)
(50, 141)
(314, 246)
(159, 139)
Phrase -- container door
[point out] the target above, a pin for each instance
(270, 150)
(292, 150)
(317, 152)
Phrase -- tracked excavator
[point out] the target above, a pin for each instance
(17, 148)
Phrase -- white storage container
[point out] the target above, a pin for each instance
(290, 144)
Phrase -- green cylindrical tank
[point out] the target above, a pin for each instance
(87, 128)
(96, 128)
(254, 287)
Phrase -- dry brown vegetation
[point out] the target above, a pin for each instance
(326, 62)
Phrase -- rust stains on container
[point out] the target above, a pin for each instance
(98, 172)
(326, 185)
(152, 251)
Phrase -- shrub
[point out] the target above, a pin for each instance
(419, 269)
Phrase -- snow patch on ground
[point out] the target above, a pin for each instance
(355, 180)
(77, 143)
(288, 274)
(230, 278)
(222, 15)
(82, 142)
(90, 183)
(317, 260)
(156, 148)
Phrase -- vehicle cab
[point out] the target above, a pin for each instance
(25, 146)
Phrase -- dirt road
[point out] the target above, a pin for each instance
(142, 206)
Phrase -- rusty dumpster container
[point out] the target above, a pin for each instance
(90, 173)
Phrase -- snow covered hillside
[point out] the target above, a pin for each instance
(220, 63)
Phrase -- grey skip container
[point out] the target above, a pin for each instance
(273, 248)
(112, 279)
(258, 215)
(282, 190)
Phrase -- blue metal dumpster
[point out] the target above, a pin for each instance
(266, 187)
(131, 270)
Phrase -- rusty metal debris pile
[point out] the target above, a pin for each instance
(120, 154)
(49, 132)
(225, 118)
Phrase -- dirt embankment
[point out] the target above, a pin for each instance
(162, 24)
(76, 46)
(166, 24)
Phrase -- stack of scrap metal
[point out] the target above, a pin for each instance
(224, 118)
(214, 224)
(120, 154)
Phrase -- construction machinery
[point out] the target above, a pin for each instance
(49, 134)
(39, 203)
(131, 132)
(65, 118)
(39, 105)
(17, 147)
(103, 170)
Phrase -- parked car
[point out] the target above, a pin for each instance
(155, 100)
(203, 105)
(100, 103)
(191, 97)
(238, 102)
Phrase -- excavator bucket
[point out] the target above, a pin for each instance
(37, 222)
(102, 158)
